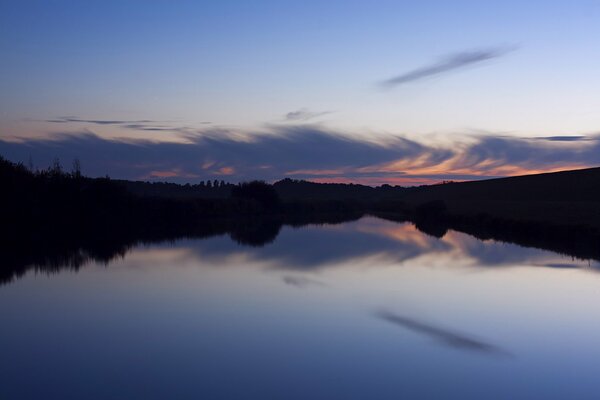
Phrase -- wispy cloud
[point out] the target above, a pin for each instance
(301, 281)
(450, 63)
(308, 152)
(139, 125)
(304, 114)
(565, 138)
(98, 121)
(446, 337)
(267, 155)
(152, 128)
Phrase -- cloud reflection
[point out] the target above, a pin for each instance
(370, 241)
(362, 243)
(446, 337)
(300, 281)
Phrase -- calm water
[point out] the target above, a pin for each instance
(363, 310)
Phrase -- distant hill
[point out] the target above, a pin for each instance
(291, 189)
(574, 185)
(287, 189)
(563, 198)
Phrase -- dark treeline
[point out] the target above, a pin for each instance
(210, 189)
(53, 218)
(287, 189)
(291, 189)
(55, 199)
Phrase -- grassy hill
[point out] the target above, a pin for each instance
(560, 198)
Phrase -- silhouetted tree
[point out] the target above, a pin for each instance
(55, 171)
(259, 191)
(76, 170)
(256, 233)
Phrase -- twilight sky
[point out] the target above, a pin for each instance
(400, 92)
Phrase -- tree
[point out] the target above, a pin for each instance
(259, 191)
(55, 170)
(76, 170)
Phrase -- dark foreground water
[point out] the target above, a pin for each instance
(363, 310)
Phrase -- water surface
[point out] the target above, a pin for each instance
(365, 309)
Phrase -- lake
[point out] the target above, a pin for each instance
(369, 309)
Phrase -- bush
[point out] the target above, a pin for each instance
(258, 191)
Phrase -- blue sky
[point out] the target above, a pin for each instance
(256, 68)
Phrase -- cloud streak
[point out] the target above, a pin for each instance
(139, 125)
(300, 281)
(446, 337)
(448, 64)
(97, 121)
(304, 114)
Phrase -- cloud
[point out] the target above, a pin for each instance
(446, 337)
(96, 121)
(266, 155)
(304, 114)
(140, 125)
(306, 152)
(565, 138)
(450, 63)
(300, 281)
(498, 151)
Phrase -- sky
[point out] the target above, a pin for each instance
(399, 92)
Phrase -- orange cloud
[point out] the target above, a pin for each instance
(172, 173)
(163, 174)
(225, 171)
(316, 172)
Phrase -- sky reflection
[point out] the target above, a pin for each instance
(212, 318)
(372, 240)
(442, 335)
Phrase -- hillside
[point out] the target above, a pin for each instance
(563, 198)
